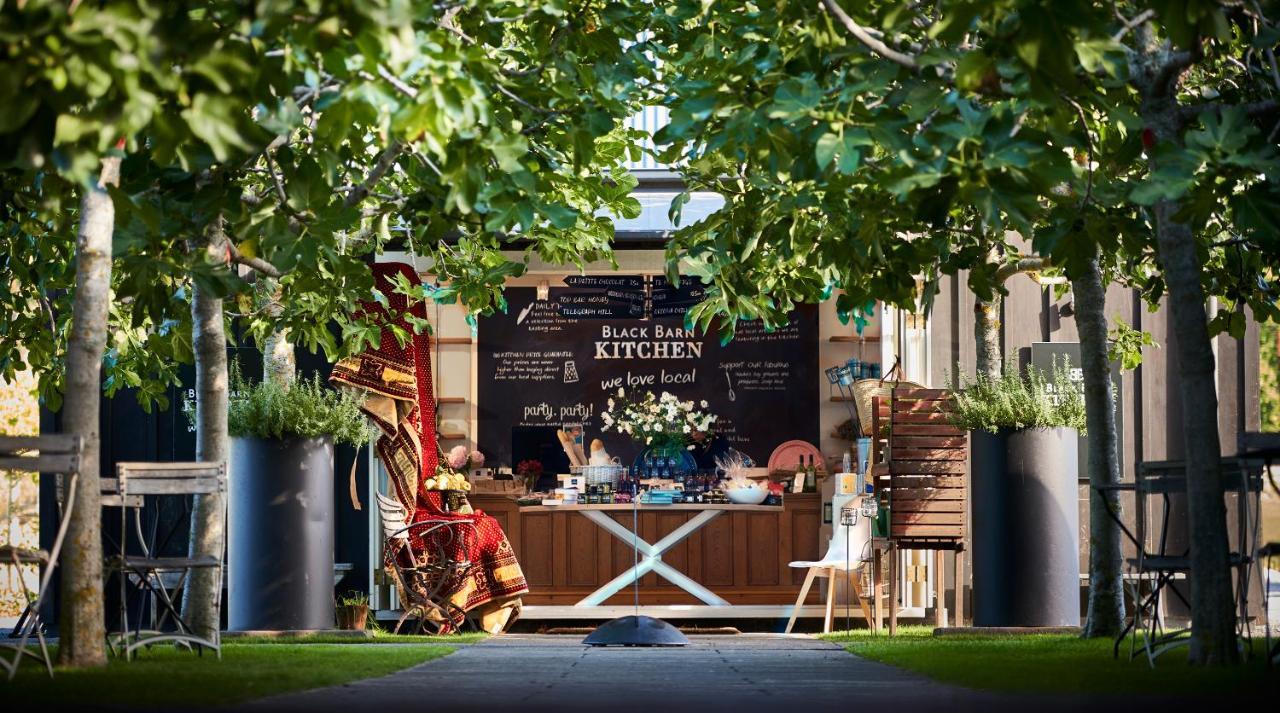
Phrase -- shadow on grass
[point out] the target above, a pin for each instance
(1056, 664)
(167, 678)
(378, 637)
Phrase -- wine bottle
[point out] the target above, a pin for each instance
(811, 477)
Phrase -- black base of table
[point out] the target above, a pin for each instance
(636, 631)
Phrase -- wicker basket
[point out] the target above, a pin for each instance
(866, 389)
(599, 474)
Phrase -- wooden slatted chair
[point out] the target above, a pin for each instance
(921, 461)
(58, 454)
(160, 578)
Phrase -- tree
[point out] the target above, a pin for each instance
(282, 145)
(82, 625)
(919, 142)
(847, 130)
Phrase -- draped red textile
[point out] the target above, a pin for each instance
(397, 383)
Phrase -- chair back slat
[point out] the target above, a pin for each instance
(392, 515)
(52, 453)
(927, 465)
(1266, 443)
(140, 479)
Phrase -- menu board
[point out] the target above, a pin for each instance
(557, 361)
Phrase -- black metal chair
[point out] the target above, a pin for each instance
(424, 579)
(56, 454)
(157, 578)
(1159, 568)
(1264, 448)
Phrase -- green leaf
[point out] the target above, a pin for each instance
(794, 98)
(825, 150)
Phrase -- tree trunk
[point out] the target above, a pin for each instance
(208, 518)
(279, 361)
(986, 331)
(82, 627)
(1106, 595)
(1212, 604)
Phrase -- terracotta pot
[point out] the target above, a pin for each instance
(353, 617)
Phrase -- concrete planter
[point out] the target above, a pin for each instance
(1026, 528)
(280, 535)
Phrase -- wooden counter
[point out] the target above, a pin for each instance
(742, 555)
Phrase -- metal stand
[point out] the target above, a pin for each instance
(637, 630)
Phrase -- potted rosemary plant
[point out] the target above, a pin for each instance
(281, 500)
(1024, 430)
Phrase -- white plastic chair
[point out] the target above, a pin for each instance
(847, 552)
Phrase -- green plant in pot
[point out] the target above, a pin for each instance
(281, 500)
(1024, 436)
(353, 611)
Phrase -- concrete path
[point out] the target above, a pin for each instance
(739, 673)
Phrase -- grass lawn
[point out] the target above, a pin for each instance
(1053, 664)
(167, 678)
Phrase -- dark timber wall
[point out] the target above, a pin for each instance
(130, 434)
(1151, 406)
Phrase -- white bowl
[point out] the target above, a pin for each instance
(753, 495)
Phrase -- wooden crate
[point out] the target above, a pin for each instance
(490, 486)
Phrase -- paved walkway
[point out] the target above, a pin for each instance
(739, 673)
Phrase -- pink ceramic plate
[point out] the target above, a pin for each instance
(791, 454)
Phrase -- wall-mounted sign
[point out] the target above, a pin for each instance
(545, 363)
(1043, 356)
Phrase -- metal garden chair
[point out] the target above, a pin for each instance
(58, 454)
(1159, 568)
(159, 579)
(425, 578)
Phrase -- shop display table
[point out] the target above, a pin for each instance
(650, 555)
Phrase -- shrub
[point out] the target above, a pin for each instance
(1016, 401)
(307, 409)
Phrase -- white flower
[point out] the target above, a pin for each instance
(648, 440)
(702, 403)
(610, 402)
(621, 392)
(687, 429)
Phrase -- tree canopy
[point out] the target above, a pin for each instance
(317, 135)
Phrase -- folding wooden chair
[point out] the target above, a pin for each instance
(157, 578)
(59, 454)
(923, 469)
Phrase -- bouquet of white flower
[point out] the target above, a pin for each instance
(661, 421)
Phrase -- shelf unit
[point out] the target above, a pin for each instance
(853, 339)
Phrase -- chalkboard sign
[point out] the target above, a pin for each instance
(1046, 355)
(547, 363)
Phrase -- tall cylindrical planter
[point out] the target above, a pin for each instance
(280, 535)
(1026, 528)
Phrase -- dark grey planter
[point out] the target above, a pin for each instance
(280, 535)
(1026, 528)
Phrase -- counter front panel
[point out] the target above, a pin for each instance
(741, 556)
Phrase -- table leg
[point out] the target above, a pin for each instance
(651, 558)
(939, 589)
(877, 589)
(893, 589)
(831, 601)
